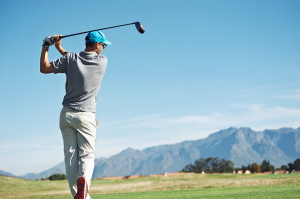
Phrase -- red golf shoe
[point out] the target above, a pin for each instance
(80, 188)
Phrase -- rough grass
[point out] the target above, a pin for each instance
(20, 188)
(185, 186)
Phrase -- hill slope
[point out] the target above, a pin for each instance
(59, 169)
(242, 146)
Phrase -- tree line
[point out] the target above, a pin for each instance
(266, 166)
(56, 177)
(210, 165)
(216, 165)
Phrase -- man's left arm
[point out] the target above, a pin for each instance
(45, 66)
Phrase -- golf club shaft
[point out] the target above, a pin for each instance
(97, 29)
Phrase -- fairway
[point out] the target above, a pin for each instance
(284, 191)
(181, 186)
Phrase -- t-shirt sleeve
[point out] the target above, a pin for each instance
(60, 65)
(105, 60)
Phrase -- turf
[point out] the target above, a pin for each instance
(181, 186)
(240, 192)
(284, 191)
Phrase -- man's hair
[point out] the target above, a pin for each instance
(89, 44)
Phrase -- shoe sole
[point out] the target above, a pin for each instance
(80, 188)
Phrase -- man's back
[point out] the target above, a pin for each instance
(84, 72)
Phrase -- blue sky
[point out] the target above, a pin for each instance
(200, 67)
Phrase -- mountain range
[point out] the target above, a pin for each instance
(242, 146)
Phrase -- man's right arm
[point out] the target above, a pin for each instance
(58, 45)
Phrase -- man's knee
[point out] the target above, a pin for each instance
(87, 155)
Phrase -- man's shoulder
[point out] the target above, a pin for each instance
(68, 54)
(71, 56)
(103, 57)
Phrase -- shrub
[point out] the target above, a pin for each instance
(58, 177)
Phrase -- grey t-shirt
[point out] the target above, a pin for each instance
(84, 72)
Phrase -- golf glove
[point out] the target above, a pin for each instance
(48, 41)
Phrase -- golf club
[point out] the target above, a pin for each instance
(138, 26)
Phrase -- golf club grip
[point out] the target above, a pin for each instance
(96, 30)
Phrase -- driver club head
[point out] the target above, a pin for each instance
(139, 27)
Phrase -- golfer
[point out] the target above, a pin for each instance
(84, 72)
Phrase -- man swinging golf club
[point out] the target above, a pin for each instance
(84, 72)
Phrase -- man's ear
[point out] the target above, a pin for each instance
(98, 45)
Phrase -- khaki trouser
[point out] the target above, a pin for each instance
(79, 135)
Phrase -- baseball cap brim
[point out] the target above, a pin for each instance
(107, 42)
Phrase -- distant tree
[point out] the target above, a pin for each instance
(244, 168)
(226, 166)
(58, 177)
(262, 168)
(198, 167)
(210, 165)
(291, 166)
(265, 162)
(248, 167)
(284, 167)
(213, 164)
(265, 166)
(297, 165)
(189, 168)
(255, 168)
(269, 168)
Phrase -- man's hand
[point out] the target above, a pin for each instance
(58, 41)
(49, 41)
(60, 49)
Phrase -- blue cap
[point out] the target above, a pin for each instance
(96, 36)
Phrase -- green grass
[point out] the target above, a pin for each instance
(285, 191)
(181, 186)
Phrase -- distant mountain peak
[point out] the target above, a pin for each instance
(240, 145)
(130, 150)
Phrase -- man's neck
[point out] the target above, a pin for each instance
(90, 50)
